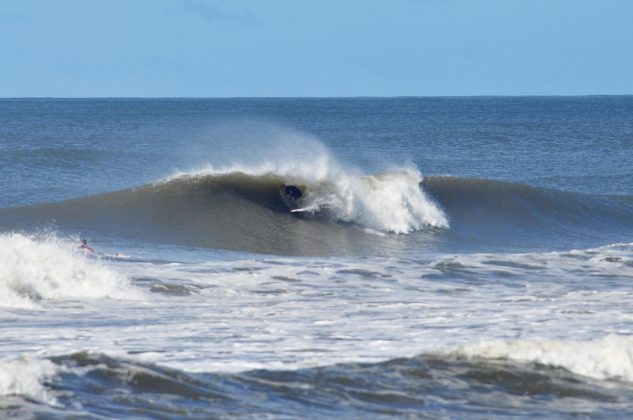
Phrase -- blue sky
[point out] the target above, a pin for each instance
(220, 48)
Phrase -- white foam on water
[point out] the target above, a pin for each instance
(392, 202)
(289, 313)
(609, 357)
(24, 375)
(34, 269)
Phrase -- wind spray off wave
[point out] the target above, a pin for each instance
(391, 202)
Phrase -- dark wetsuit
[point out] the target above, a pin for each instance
(292, 191)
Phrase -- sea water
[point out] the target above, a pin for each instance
(453, 257)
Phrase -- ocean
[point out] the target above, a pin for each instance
(461, 257)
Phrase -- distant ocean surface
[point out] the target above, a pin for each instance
(452, 257)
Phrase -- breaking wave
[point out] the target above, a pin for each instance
(606, 358)
(32, 270)
(26, 375)
(240, 207)
(388, 202)
(341, 211)
(392, 202)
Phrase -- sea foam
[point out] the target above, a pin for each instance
(24, 375)
(35, 269)
(605, 358)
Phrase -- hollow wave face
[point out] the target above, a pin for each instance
(233, 201)
(242, 209)
(387, 203)
(391, 202)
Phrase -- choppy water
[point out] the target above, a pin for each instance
(455, 257)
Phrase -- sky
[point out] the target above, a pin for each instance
(281, 48)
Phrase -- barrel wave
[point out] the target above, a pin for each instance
(367, 214)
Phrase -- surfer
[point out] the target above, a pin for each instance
(290, 194)
(84, 245)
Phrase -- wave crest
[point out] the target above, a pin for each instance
(606, 358)
(391, 202)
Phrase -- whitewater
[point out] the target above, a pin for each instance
(452, 258)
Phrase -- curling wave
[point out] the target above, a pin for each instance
(243, 209)
(341, 214)
(391, 202)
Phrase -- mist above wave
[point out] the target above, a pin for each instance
(390, 202)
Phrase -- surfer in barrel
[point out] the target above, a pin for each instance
(290, 194)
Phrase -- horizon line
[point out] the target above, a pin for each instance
(324, 97)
